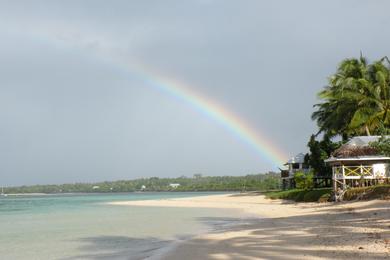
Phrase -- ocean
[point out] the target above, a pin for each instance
(84, 226)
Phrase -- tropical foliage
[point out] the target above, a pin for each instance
(357, 99)
(382, 146)
(304, 180)
(319, 151)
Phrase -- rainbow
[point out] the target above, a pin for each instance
(211, 109)
(181, 91)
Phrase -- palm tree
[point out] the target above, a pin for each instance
(334, 115)
(373, 99)
(356, 101)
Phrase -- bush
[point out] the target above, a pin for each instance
(300, 195)
(317, 195)
(287, 194)
(304, 180)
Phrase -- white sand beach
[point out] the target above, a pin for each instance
(283, 230)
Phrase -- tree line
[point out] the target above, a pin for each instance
(262, 182)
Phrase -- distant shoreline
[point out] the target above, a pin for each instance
(26, 194)
(128, 192)
(197, 183)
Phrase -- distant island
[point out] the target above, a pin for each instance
(255, 182)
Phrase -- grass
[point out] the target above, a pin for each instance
(324, 194)
(299, 195)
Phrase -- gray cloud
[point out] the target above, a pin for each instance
(69, 113)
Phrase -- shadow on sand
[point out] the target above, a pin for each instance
(282, 238)
(270, 238)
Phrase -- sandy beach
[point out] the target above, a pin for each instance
(278, 229)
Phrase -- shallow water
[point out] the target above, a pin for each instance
(85, 227)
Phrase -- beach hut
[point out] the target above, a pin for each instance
(295, 164)
(357, 164)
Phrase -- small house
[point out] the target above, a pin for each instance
(357, 164)
(295, 164)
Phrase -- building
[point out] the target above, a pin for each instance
(174, 185)
(295, 164)
(357, 164)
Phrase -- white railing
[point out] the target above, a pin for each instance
(353, 172)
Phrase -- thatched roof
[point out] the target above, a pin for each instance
(354, 151)
(358, 146)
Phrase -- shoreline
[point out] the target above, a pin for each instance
(204, 201)
(277, 229)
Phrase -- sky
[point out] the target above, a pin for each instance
(89, 89)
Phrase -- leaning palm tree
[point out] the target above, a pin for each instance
(373, 99)
(334, 115)
(356, 101)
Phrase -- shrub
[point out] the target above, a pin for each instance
(302, 195)
(316, 195)
(304, 180)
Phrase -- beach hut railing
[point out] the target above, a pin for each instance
(353, 172)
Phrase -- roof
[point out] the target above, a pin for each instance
(359, 158)
(299, 158)
(357, 149)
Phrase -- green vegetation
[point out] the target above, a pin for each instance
(357, 99)
(366, 193)
(258, 182)
(325, 194)
(300, 195)
(319, 151)
(304, 180)
(382, 146)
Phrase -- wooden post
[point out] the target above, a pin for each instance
(343, 171)
(361, 174)
(334, 182)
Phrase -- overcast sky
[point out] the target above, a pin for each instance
(68, 113)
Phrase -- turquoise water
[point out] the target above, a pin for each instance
(85, 227)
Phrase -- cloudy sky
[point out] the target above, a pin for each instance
(74, 107)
